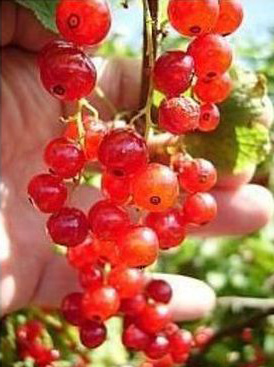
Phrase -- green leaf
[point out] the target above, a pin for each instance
(44, 10)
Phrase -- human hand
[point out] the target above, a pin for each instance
(31, 272)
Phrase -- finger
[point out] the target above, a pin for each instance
(240, 211)
(19, 27)
(191, 298)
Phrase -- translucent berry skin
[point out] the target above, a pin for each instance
(154, 318)
(173, 73)
(212, 55)
(197, 175)
(180, 345)
(209, 117)
(84, 22)
(68, 227)
(84, 254)
(47, 193)
(139, 247)
(91, 277)
(109, 252)
(102, 302)
(117, 189)
(157, 347)
(107, 220)
(200, 208)
(156, 189)
(168, 228)
(230, 17)
(213, 90)
(159, 290)
(93, 333)
(193, 18)
(134, 338)
(64, 158)
(133, 306)
(66, 72)
(128, 282)
(123, 152)
(71, 308)
(179, 115)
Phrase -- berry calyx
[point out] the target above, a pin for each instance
(209, 117)
(179, 115)
(173, 73)
(159, 290)
(47, 193)
(93, 333)
(68, 227)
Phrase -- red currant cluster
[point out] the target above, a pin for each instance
(29, 344)
(107, 246)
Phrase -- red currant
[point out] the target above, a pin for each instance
(116, 188)
(197, 175)
(84, 22)
(155, 189)
(159, 290)
(102, 302)
(107, 220)
(139, 246)
(91, 277)
(109, 252)
(85, 254)
(213, 90)
(193, 18)
(93, 333)
(134, 305)
(179, 115)
(209, 118)
(134, 338)
(154, 318)
(173, 72)
(66, 72)
(180, 343)
(64, 158)
(230, 17)
(157, 347)
(202, 336)
(212, 55)
(71, 308)
(68, 227)
(128, 282)
(47, 192)
(123, 152)
(200, 208)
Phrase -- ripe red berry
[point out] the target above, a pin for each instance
(102, 302)
(230, 17)
(116, 188)
(200, 208)
(107, 220)
(209, 117)
(128, 282)
(47, 193)
(159, 290)
(68, 227)
(95, 132)
(91, 277)
(212, 55)
(213, 90)
(139, 247)
(202, 336)
(66, 72)
(93, 333)
(180, 344)
(133, 306)
(64, 158)
(179, 115)
(123, 152)
(84, 22)
(84, 254)
(157, 347)
(134, 338)
(193, 18)
(71, 308)
(154, 318)
(197, 175)
(173, 73)
(155, 189)
(109, 252)
(168, 228)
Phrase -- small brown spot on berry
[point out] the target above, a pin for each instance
(195, 29)
(73, 21)
(206, 116)
(59, 90)
(155, 200)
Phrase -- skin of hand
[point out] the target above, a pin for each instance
(30, 272)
